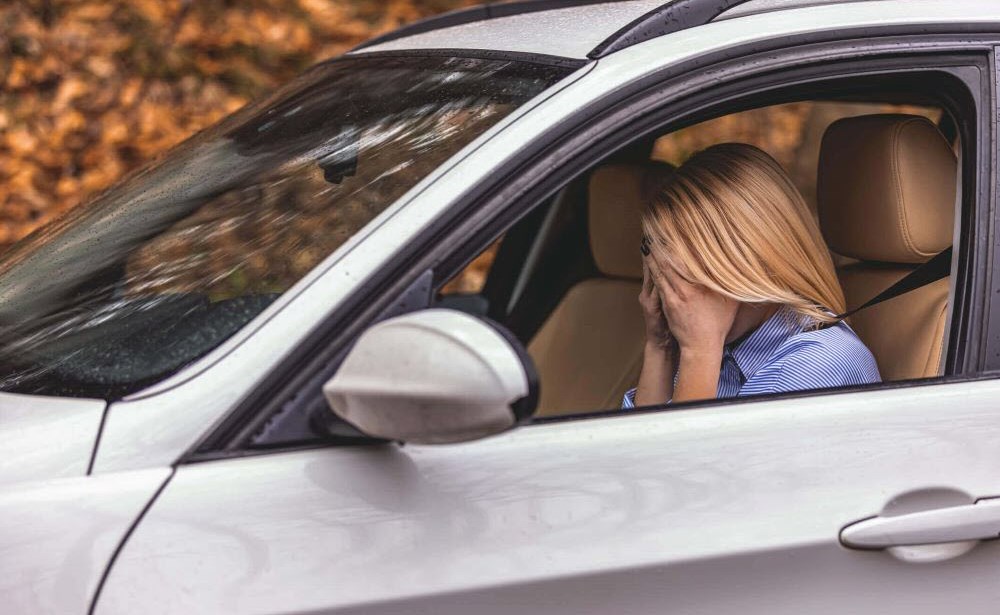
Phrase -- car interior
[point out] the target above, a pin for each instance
(882, 176)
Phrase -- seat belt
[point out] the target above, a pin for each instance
(933, 270)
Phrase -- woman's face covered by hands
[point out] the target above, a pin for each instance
(696, 317)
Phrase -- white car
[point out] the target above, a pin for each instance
(239, 382)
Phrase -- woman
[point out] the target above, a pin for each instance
(739, 292)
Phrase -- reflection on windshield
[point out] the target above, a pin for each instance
(167, 265)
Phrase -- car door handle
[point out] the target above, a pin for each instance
(979, 521)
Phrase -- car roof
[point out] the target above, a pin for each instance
(571, 32)
(577, 29)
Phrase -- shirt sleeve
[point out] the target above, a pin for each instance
(819, 367)
(628, 402)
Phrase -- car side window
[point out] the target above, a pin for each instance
(472, 279)
(588, 341)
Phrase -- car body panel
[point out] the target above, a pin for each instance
(711, 510)
(46, 437)
(750, 7)
(58, 537)
(202, 394)
(579, 29)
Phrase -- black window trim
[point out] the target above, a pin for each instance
(475, 220)
(991, 362)
(526, 57)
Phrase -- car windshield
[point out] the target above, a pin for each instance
(172, 261)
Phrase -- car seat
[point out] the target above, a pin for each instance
(589, 350)
(886, 194)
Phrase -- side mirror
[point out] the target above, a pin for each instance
(433, 377)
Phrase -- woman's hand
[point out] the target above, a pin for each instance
(700, 319)
(657, 329)
(659, 359)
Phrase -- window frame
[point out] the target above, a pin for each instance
(654, 105)
(964, 332)
(991, 362)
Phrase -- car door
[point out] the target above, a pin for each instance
(717, 508)
(695, 511)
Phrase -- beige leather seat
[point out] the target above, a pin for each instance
(589, 351)
(886, 194)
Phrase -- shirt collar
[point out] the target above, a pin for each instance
(753, 351)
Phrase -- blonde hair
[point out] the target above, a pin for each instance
(731, 220)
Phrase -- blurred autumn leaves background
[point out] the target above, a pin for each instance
(91, 89)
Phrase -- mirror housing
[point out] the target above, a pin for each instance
(432, 377)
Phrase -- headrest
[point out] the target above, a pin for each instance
(886, 188)
(616, 198)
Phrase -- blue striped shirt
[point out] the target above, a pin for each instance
(785, 354)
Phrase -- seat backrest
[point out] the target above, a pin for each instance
(886, 194)
(589, 350)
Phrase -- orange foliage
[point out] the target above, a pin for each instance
(91, 89)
